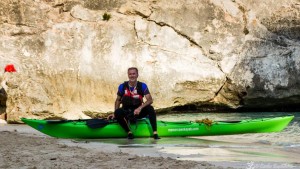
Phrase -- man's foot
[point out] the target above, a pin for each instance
(155, 136)
(130, 136)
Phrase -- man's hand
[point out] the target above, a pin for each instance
(110, 117)
(137, 111)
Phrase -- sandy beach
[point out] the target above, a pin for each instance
(21, 149)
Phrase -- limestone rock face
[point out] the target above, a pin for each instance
(70, 61)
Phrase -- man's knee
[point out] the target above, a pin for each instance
(119, 113)
(150, 109)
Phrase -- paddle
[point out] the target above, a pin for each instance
(91, 123)
(96, 123)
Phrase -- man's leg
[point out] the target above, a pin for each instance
(120, 115)
(149, 110)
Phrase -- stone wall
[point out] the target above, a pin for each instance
(224, 54)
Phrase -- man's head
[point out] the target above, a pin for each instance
(133, 74)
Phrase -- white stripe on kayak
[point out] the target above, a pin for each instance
(183, 129)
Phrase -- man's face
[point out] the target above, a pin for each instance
(132, 75)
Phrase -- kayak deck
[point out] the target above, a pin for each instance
(79, 128)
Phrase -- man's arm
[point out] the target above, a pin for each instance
(117, 105)
(148, 102)
(117, 102)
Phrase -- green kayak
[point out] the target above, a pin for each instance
(142, 128)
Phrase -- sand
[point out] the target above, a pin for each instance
(21, 150)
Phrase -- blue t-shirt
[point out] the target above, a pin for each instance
(121, 91)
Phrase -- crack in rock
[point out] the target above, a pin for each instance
(177, 31)
(165, 24)
(244, 11)
(227, 80)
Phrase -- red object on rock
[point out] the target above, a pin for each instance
(9, 68)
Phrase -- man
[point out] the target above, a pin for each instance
(130, 95)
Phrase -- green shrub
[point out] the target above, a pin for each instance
(106, 16)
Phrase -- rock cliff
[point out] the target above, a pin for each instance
(204, 54)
